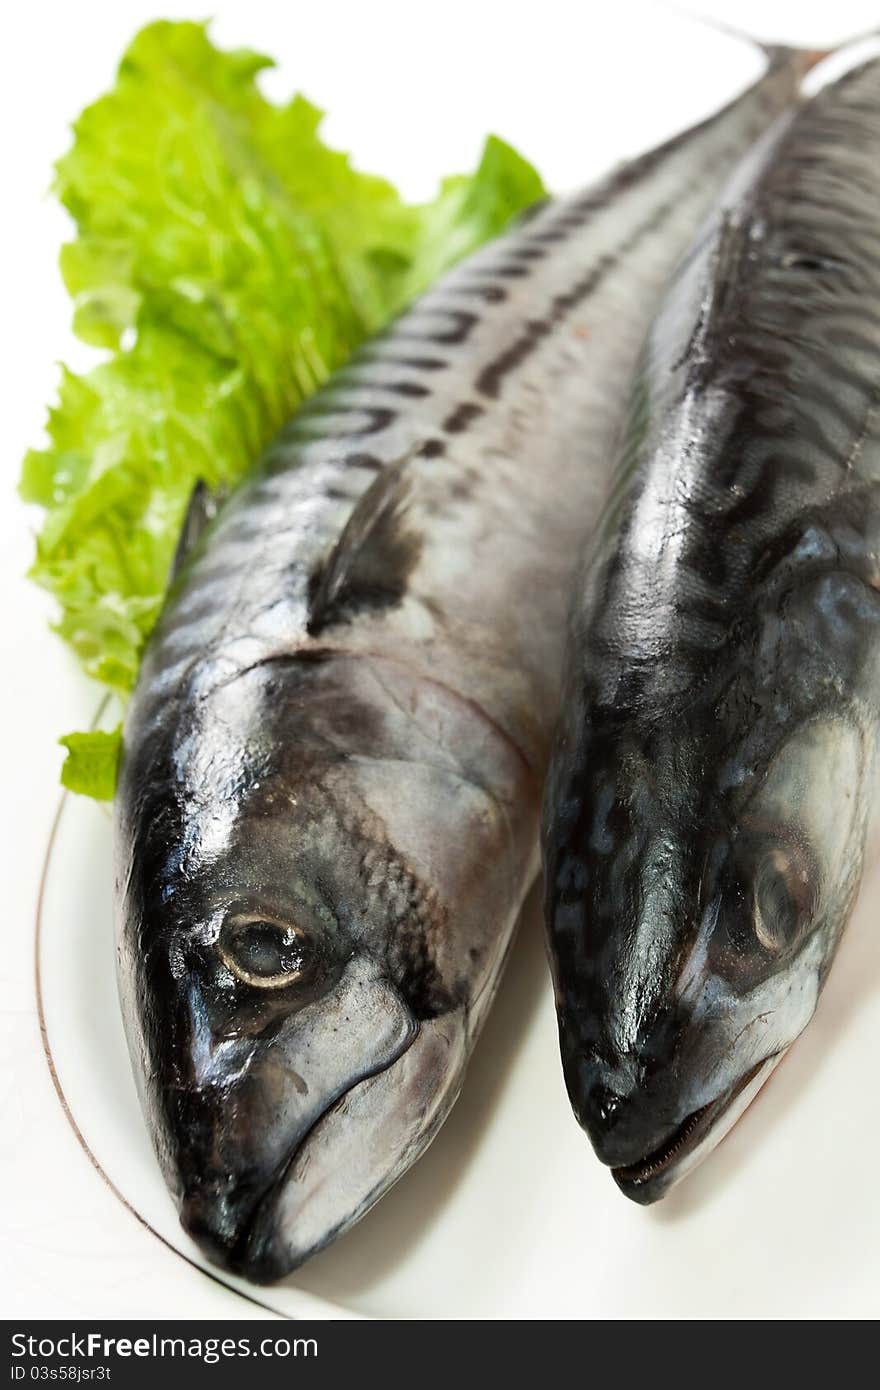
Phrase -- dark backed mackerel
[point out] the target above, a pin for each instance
(714, 781)
(328, 807)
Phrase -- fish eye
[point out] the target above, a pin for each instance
(767, 894)
(783, 898)
(263, 952)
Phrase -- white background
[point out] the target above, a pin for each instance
(413, 89)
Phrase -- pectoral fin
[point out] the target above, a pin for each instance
(204, 504)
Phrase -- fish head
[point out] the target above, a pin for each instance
(696, 901)
(307, 929)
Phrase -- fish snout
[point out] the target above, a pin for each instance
(232, 1224)
(622, 1121)
(233, 1148)
(218, 1216)
(239, 1114)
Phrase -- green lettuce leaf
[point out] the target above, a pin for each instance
(91, 762)
(227, 261)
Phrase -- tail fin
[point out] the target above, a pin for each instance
(773, 51)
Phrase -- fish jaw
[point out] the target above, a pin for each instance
(233, 1113)
(355, 1152)
(657, 1173)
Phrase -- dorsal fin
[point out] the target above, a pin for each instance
(721, 292)
(203, 505)
(373, 558)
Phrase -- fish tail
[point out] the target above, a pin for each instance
(775, 52)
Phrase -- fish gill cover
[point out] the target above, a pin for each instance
(228, 261)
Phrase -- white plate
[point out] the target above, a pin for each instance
(509, 1215)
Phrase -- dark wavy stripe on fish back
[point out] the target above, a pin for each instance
(790, 333)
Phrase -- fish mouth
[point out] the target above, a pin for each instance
(353, 1150)
(246, 1241)
(334, 1168)
(237, 1151)
(651, 1178)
